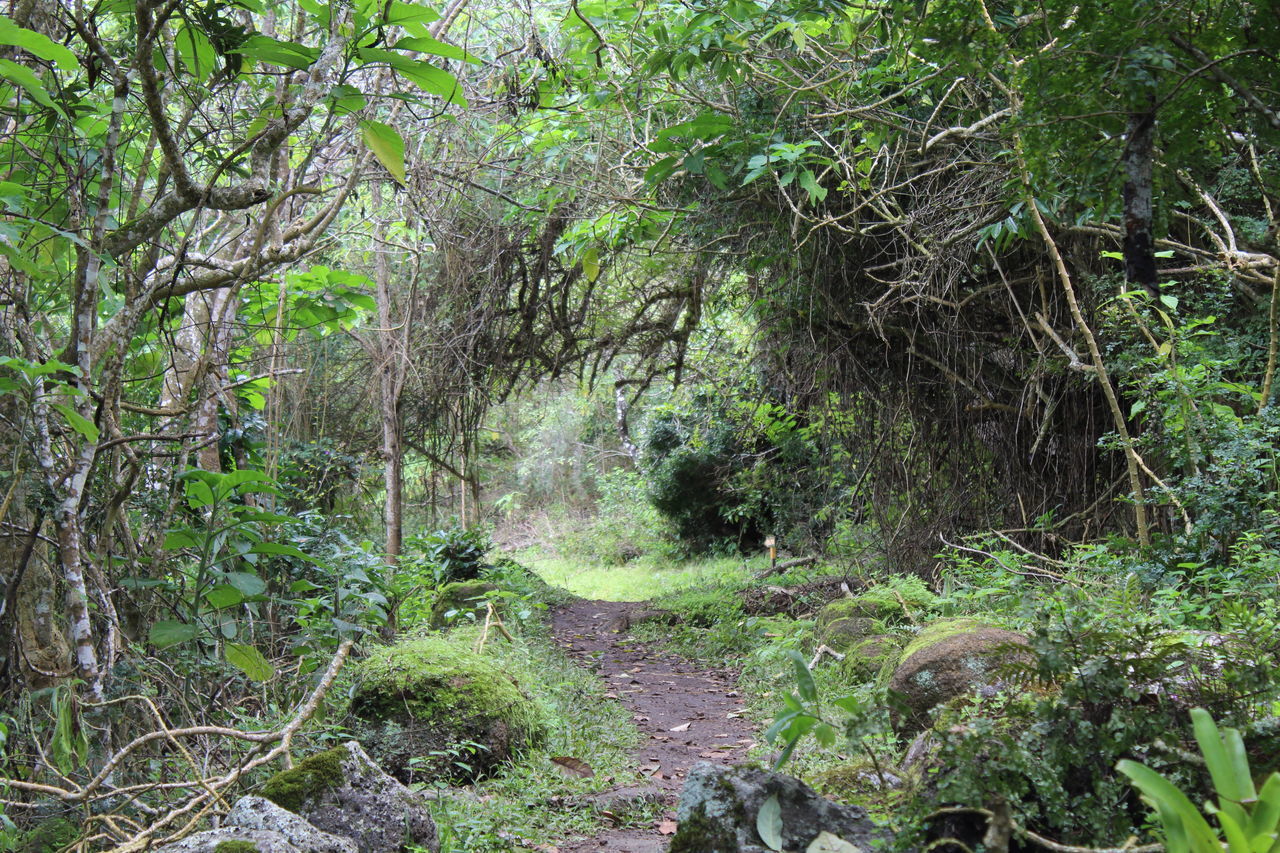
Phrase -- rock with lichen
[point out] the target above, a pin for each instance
(848, 632)
(865, 659)
(950, 658)
(341, 791)
(720, 809)
(233, 839)
(461, 600)
(429, 709)
(259, 813)
(902, 602)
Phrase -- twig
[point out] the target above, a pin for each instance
(824, 649)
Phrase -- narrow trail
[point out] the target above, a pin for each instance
(687, 712)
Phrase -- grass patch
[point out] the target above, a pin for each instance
(639, 580)
(531, 800)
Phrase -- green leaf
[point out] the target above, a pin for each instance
(1225, 780)
(404, 13)
(166, 633)
(25, 78)
(387, 145)
(37, 44)
(250, 661)
(275, 52)
(591, 264)
(175, 539)
(426, 44)
(1183, 823)
(78, 422)
(249, 584)
(283, 550)
(769, 823)
(804, 678)
(1266, 813)
(223, 596)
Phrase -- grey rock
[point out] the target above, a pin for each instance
(259, 813)
(719, 807)
(343, 792)
(263, 841)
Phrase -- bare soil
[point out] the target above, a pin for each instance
(687, 712)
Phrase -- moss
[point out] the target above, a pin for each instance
(901, 600)
(453, 600)
(432, 695)
(848, 632)
(938, 631)
(861, 783)
(234, 846)
(291, 788)
(698, 834)
(869, 658)
(49, 836)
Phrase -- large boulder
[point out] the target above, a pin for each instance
(260, 814)
(950, 658)
(719, 812)
(343, 792)
(234, 839)
(461, 600)
(430, 709)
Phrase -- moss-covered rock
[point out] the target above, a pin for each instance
(949, 658)
(49, 836)
(866, 659)
(455, 600)
(846, 633)
(429, 708)
(343, 792)
(235, 845)
(289, 789)
(899, 602)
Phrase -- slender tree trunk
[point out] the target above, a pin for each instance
(622, 408)
(389, 379)
(1139, 160)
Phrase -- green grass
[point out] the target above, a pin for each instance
(519, 804)
(639, 580)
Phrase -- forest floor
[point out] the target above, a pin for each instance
(688, 713)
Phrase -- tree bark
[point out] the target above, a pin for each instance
(390, 382)
(1139, 160)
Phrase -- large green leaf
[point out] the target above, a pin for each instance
(249, 584)
(387, 145)
(249, 660)
(36, 44)
(276, 52)
(78, 422)
(29, 82)
(282, 550)
(168, 633)
(426, 44)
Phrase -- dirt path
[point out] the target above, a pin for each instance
(689, 714)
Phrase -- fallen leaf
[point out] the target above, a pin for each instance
(667, 827)
(683, 727)
(828, 843)
(571, 766)
(769, 823)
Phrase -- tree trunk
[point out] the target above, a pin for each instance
(1139, 160)
(390, 371)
